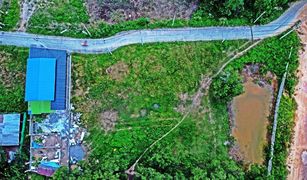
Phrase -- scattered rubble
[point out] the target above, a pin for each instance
(57, 141)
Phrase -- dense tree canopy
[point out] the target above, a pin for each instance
(243, 8)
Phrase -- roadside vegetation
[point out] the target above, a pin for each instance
(9, 16)
(67, 19)
(12, 79)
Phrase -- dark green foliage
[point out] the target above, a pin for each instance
(283, 137)
(226, 86)
(244, 9)
(15, 169)
(13, 67)
(273, 55)
(10, 15)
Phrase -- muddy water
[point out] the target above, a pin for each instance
(251, 110)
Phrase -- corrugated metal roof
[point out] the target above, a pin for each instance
(39, 107)
(40, 79)
(9, 129)
(59, 102)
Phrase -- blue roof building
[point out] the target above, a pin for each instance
(59, 101)
(9, 129)
(40, 79)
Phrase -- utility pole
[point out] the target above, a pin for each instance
(251, 26)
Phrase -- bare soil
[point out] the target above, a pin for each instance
(118, 71)
(114, 11)
(7, 76)
(108, 119)
(299, 143)
(27, 9)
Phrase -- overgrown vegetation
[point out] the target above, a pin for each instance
(12, 79)
(273, 55)
(59, 15)
(66, 19)
(10, 14)
(246, 10)
(146, 95)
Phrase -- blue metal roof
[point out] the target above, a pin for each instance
(59, 102)
(9, 129)
(40, 79)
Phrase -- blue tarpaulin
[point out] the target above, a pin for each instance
(36, 146)
(40, 79)
(48, 164)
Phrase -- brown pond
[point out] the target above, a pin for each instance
(251, 110)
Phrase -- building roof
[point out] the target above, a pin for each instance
(9, 129)
(39, 107)
(40, 79)
(59, 103)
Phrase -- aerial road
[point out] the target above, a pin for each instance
(105, 45)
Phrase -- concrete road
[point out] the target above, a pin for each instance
(157, 35)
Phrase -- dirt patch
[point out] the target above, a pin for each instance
(108, 119)
(194, 100)
(299, 143)
(235, 153)
(118, 71)
(114, 11)
(249, 125)
(7, 75)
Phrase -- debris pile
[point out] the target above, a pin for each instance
(56, 141)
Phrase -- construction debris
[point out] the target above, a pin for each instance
(56, 141)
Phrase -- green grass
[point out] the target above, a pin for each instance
(156, 74)
(10, 17)
(12, 79)
(58, 15)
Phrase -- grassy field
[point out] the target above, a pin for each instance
(59, 15)
(10, 17)
(134, 94)
(12, 79)
(143, 92)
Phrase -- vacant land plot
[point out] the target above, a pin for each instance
(116, 11)
(130, 98)
(12, 77)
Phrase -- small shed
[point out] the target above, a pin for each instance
(9, 129)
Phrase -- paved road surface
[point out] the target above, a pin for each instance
(158, 35)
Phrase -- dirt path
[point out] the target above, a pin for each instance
(28, 7)
(296, 167)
